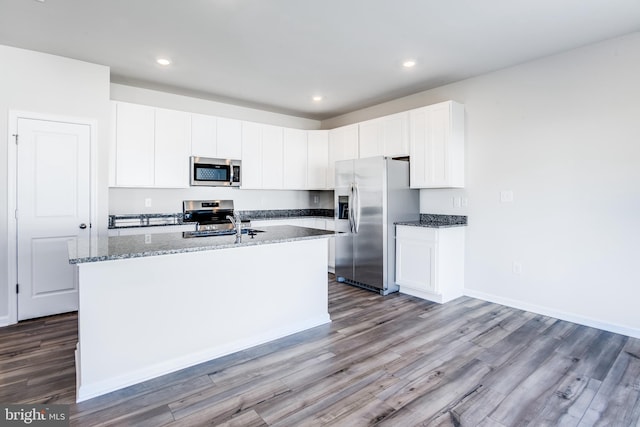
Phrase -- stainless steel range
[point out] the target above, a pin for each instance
(211, 217)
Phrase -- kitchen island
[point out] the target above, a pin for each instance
(153, 304)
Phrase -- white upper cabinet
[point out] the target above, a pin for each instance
(272, 157)
(385, 136)
(343, 145)
(216, 137)
(204, 139)
(295, 159)
(229, 138)
(437, 146)
(251, 155)
(172, 148)
(134, 145)
(151, 147)
(317, 159)
(262, 156)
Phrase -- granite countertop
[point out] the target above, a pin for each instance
(124, 247)
(437, 221)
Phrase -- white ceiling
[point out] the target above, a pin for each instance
(276, 54)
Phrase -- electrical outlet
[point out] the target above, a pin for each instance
(506, 196)
(517, 267)
(464, 202)
(147, 238)
(457, 202)
(147, 202)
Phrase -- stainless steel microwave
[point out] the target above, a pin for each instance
(210, 172)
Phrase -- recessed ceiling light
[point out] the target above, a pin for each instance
(409, 63)
(317, 98)
(163, 61)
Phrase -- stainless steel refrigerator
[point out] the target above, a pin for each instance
(370, 195)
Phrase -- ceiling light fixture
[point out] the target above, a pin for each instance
(409, 63)
(317, 98)
(163, 61)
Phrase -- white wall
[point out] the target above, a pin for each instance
(563, 133)
(41, 83)
(126, 201)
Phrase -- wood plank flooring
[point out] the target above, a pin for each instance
(384, 361)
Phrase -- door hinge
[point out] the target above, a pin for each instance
(17, 288)
(16, 136)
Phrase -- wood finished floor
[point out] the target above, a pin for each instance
(384, 361)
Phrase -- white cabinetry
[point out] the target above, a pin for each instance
(385, 136)
(172, 142)
(134, 145)
(151, 147)
(215, 137)
(330, 224)
(251, 155)
(295, 159)
(343, 145)
(272, 158)
(317, 159)
(430, 262)
(437, 146)
(204, 138)
(229, 138)
(262, 156)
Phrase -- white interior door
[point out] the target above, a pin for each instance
(53, 205)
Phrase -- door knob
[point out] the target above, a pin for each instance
(83, 226)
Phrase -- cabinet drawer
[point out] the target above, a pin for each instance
(416, 233)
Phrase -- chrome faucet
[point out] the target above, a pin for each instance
(237, 225)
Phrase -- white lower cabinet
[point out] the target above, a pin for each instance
(331, 225)
(430, 262)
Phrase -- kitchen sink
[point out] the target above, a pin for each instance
(210, 233)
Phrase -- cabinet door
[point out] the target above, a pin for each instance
(437, 146)
(295, 159)
(395, 135)
(317, 159)
(134, 156)
(229, 138)
(415, 264)
(386, 136)
(272, 157)
(172, 148)
(371, 142)
(251, 155)
(343, 145)
(330, 225)
(203, 136)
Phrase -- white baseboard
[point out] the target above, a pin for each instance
(545, 311)
(4, 321)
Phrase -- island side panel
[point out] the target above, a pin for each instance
(144, 317)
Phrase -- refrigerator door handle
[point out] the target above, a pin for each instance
(351, 210)
(357, 209)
